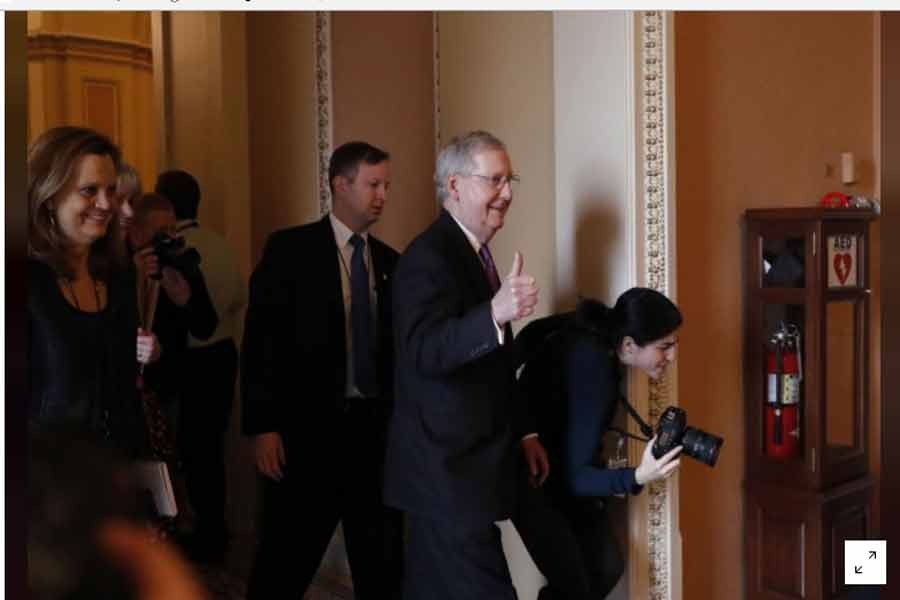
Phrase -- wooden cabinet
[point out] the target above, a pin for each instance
(806, 318)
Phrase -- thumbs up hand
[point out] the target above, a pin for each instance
(517, 296)
(516, 266)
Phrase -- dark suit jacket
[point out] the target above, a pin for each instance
(450, 455)
(294, 357)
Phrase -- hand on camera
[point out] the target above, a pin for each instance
(146, 262)
(176, 286)
(517, 296)
(653, 469)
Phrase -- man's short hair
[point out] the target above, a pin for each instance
(182, 190)
(346, 158)
(458, 156)
(149, 203)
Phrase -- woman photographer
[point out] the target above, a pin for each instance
(174, 302)
(184, 306)
(571, 385)
(82, 320)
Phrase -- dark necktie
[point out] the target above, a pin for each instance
(490, 271)
(361, 320)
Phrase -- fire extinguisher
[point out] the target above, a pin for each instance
(784, 367)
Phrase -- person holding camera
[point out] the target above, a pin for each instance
(182, 304)
(571, 384)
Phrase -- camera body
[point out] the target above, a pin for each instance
(173, 252)
(672, 430)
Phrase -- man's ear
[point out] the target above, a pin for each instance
(629, 346)
(453, 186)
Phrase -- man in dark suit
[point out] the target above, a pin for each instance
(317, 388)
(451, 452)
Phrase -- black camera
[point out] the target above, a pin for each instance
(172, 252)
(672, 430)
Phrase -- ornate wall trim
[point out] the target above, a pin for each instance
(101, 107)
(324, 126)
(67, 46)
(656, 151)
(334, 572)
(436, 45)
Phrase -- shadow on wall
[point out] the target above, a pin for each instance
(596, 232)
(595, 266)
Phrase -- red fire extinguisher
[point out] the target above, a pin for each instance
(784, 367)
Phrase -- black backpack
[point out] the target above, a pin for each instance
(538, 350)
(532, 339)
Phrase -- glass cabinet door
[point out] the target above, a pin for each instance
(843, 389)
(783, 262)
(783, 406)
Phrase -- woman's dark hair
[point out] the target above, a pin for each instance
(52, 160)
(642, 314)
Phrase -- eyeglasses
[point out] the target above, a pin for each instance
(499, 181)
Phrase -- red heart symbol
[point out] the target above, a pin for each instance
(842, 264)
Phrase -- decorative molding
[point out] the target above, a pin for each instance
(436, 47)
(69, 46)
(655, 191)
(334, 572)
(100, 106)
(324, 130)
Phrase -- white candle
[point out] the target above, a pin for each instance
(848, 172)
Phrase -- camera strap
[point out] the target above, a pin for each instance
(642, 424)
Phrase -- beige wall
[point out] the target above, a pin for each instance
(207, 118)
(206, 110)
(497, 74)
(593, 145)
(281, 88)
(764, 102)
(595, 204)
(382, 73)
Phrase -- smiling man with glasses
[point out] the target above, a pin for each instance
(451, 450)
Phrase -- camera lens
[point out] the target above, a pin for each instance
(701, 445)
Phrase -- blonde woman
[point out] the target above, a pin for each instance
(84, 341)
